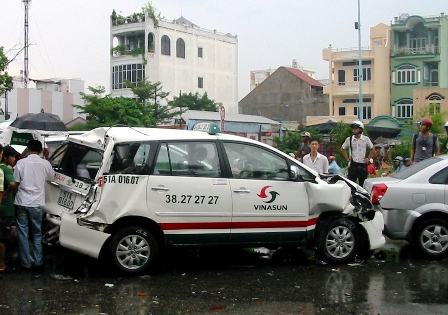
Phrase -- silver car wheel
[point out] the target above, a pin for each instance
(132, 251)
(434, 239)
(340, 242)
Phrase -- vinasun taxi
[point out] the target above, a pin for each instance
(127, 193)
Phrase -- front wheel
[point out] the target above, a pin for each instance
(431, 238)
(133, 250)
(338, 241)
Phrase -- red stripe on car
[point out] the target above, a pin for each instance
(237, 225)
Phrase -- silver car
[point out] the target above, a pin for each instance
(414, 203)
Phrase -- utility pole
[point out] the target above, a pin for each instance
(25, 59)
(360, 74)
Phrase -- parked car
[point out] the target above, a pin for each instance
(414, 203)
(129, 192)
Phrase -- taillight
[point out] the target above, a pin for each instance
(378, 192)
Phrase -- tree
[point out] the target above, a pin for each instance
(289, 142)
(151, 99)
(110, 111)
(5, 78)
(195, 102)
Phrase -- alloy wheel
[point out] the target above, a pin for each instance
(133, 252)
(340, 242)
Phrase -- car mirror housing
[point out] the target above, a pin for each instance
(298, 176)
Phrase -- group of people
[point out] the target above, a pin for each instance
(22, 196)
(362, 156)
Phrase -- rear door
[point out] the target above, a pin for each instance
(75, 168)
(188, 195)
(267, 206)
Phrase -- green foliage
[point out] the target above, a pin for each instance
(436, 117)
(403, 149)
(289, 142)
(195, 102)
(149, 96)
(110, 111)
(338, 136)
(121, 50)
(152, 13)
(5, 78)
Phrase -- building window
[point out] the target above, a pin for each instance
(200, 52)
(404, 109)
(132, 73)
(434, 108)
(165, 46)
(366, 111)
(342, 111)
(366, 74)
(180, 48)
(200, 82)
(406, 74)
(151, 42)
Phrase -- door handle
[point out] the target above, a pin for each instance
(241, 191)
(160, 188)
(54, 183)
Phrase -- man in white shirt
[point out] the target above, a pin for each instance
(359, 153)
(315, 160)
(30, 174)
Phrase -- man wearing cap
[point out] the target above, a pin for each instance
(356, 149)
(424, 144)
(304, 148)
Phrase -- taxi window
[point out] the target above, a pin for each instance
(131, 158)
(77, 161)
(188, 159)
(252, 162)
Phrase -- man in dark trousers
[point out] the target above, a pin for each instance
(30, 175)
(424, 144)
(359, 152)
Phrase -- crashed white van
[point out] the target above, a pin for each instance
(130, 192)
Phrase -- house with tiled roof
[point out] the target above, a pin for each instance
(288, 94)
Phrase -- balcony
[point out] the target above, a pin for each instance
(410, 51)
(345, 54)
(349, 88)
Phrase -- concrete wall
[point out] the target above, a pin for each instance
(421, 102)
(218, 67)
(284, 97)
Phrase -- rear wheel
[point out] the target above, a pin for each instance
(133, 250)
(431, 238)
(338, 241)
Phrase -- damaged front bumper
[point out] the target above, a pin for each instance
(374, 229)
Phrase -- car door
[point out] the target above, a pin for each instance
(267, 205)
(75, 168)
(188, 195)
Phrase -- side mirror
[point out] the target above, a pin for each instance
(300, 176)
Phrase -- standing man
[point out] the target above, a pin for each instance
(315, 160)
(359, 154)
(30, 174)
(424, 144)
(304, 147)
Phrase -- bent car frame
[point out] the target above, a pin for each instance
(127, 193)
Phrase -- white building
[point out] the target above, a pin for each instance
(182, 56)
(56, 96)
(258, 76)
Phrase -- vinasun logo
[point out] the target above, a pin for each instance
(268, 198)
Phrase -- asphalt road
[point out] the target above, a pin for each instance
(232, 282)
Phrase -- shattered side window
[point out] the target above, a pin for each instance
(131, 158)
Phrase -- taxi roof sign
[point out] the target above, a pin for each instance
(210, 128)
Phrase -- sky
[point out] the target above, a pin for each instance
(70, 39)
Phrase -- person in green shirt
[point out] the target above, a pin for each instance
(7, 210)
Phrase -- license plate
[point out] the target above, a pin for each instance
(66, 199)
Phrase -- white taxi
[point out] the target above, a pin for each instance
(130, 192)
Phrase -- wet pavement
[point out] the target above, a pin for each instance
(233, 282)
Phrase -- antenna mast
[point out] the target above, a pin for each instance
(25, 59)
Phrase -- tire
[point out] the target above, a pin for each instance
(431, 238)
(133, 250)
(338, 241)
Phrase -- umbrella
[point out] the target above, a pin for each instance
(43, 123)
